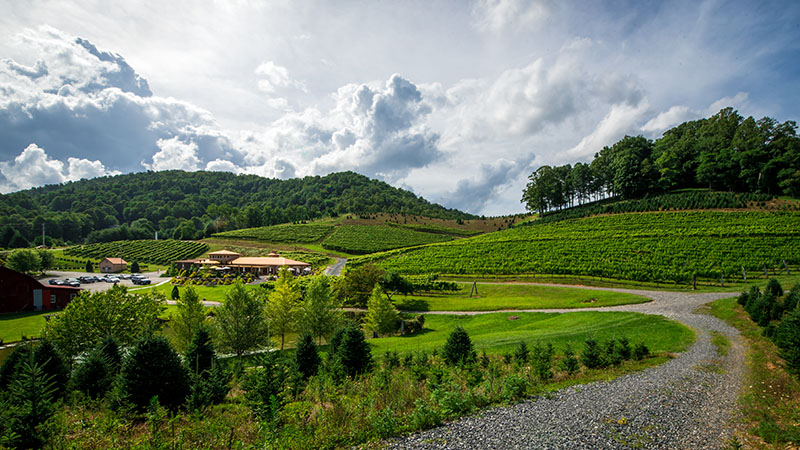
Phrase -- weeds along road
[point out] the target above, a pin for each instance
(689, 402)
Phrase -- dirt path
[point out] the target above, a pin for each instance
(336, 268)
(689, 402)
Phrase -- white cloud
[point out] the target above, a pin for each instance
(738, 101)
(500, 15)
(33, 167)
(276, 77)
(668, 119)
(622, 119)
(220, 165)
(174, 154)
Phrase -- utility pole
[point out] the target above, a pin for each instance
(43, 243)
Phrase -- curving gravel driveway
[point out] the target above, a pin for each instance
(690, 402)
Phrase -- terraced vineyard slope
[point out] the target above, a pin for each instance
(650, 247)
(148, 251)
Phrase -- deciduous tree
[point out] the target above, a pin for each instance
(241, 321)
(283, 305)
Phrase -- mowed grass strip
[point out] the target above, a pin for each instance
(207, 293)
(495, 297)
(501, 332)
(14, 326)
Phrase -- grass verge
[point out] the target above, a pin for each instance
(28, 324)
(494, 297)
(771, 397)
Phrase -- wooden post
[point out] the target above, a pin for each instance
(744, 274)
(694, 281)
(786, 267)
(474, 289)
(722, 280)
(766, 275)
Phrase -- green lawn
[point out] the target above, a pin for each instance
(498, 333)
(28, 324)
(209, 293)
(494, 297)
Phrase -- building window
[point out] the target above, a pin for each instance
(52, 299)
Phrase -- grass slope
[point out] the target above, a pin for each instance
(494, 297)
(661, 246)
(501, 332)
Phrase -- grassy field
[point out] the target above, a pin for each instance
(494, 297)
(14, 326)
(501, 332)
(208, 293)
(771, 397)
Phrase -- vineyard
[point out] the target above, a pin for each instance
(292, 233)
(148, 251)
(650, 247)
(436, 229)
(361, 239)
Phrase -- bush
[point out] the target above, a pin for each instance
(774, 288)
(135, 267)
(52, 364)
(569, 362)
(458, 349)
(351, 351)
(515, 387)
(521, 353)
(153, 368)
(307, 357)
(94, 376)
(592, 357)
(263, 385)
(200, 354)
(612, 354)
(543, 360)
(29, 405)
(787, 338)
(641, 351)
(9, 368)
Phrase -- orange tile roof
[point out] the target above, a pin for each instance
(223, 252)
(266, 261)
(116, 261)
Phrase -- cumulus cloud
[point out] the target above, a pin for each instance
(33, 167)
(79, 101)
(622, 119)
(475, 192)
(174, 154)
(220, 165)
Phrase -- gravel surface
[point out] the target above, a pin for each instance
(687, 403)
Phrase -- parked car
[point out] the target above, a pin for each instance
(55, 282)
(141, 280)
(112, 280)
(87, 279)
(125, 276)
(73, 283)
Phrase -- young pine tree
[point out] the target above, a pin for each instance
(319, 313)
(381, 316)
(153, 368)
(458, 348)
(306, 356)
(94, 375)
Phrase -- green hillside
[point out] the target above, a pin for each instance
(193, 205)
(148, 251)
(650, 247)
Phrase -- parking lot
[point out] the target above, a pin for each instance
(154, 277)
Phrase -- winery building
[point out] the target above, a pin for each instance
(258, 265)
(20, 292)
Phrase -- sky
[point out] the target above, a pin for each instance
(457, 101)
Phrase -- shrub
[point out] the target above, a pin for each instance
(592, 357)
(307, 357)
(176, 294)
(641, 351)
(109, 348)
(458, 349)
(569, 363)
(612, 354)
(9, 368)
(29, 405)
(263, 385)
(153, 368)
(52, 364)
(352, 351)
(135, 267)
(543, 360)
(521, 353)
(515, 387)
(774, 288)
(200, 354)
(787, 338)
(93, 376)
(390, 360)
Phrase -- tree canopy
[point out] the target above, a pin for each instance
(723, 152)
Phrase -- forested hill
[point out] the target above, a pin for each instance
(190, 205)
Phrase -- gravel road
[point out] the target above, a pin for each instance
(687, 403)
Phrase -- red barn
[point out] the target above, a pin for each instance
(20, 292)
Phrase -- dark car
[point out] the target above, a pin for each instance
(55, 282)
(140, 280)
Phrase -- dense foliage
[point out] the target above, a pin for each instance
(150, 251)
(724, 152)
(664, 247)
(190, 205)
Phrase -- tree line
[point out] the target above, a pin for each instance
(724, 152)
(191, 205)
